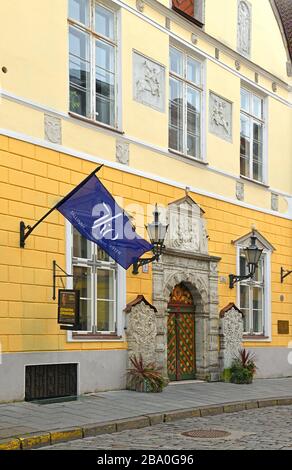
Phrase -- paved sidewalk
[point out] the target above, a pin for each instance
(103, 412)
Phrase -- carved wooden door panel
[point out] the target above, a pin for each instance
(181, 335)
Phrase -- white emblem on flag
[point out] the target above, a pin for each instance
(103, 226)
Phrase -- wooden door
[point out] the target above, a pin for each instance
(181, 335)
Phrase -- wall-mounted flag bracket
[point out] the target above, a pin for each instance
(25, 230)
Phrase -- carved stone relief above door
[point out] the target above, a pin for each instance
(187, 228)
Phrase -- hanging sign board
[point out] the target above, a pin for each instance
(68, 308)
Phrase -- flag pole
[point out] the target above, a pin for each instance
(25, 230)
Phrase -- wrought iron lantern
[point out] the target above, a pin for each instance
(157, 232)
(252, 255)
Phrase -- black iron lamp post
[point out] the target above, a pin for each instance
(252, 254)
(156, 231)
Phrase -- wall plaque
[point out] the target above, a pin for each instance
(283, 327)
(68, 308)
(220, 117)
(148, 82)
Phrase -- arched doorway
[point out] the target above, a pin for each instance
(181, 357)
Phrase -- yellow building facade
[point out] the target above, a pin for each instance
(178, 107)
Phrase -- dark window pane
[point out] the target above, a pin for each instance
(79, 73)
(242, 265)
(244, 166)
(105, 84)
(193, 146)
(105, 316)
(82, 282)
(257, 170)
(81, 246)
(244, 147)
(257, 132)
(105, 110)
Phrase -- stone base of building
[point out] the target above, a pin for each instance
(96, 370)
(272, 362)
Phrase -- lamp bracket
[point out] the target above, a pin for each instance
(142, 261)
(284, 273)
(233, 279)
(55, 276)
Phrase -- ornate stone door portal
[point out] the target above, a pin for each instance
(186, 262)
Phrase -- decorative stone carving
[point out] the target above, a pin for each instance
(149, 82)
(140, 5)
(167, 23)
(141, 329)
(274, 87)
(237, 65)
(194, 39)
(256, 77)
(220, 117)
(274, 202)
(244, 27)
(231, 331)
(239, 190)
(53, 129)
(187, 229)
(217, 53)
(122, 152)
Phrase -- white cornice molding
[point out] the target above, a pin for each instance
(143, 174)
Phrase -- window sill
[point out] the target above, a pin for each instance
(94, 123)
(254, 181)
(188, 17)
(95, 337)
(187, 157)
(254, 337)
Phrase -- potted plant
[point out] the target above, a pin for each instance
(145, 377)
(243, 367)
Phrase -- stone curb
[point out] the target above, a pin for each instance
(42, 439)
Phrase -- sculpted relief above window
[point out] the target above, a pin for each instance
(244, 28)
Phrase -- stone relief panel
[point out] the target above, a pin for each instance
(220, 117)
(187, 228)
(274, 202)
(142, 332)
(53, 129)
(231, 331)
(148, 82)
(244, 27)
(122, 152)
(239, 190)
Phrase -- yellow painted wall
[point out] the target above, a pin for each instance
(33, 178)
(34, 48)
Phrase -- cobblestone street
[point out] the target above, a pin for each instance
(267, 428)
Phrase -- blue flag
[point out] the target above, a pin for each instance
(92, 210)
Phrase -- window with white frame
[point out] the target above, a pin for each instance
(251, 135)
(185, 103)
(95, 275)
(92, 60)
(252, 296)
